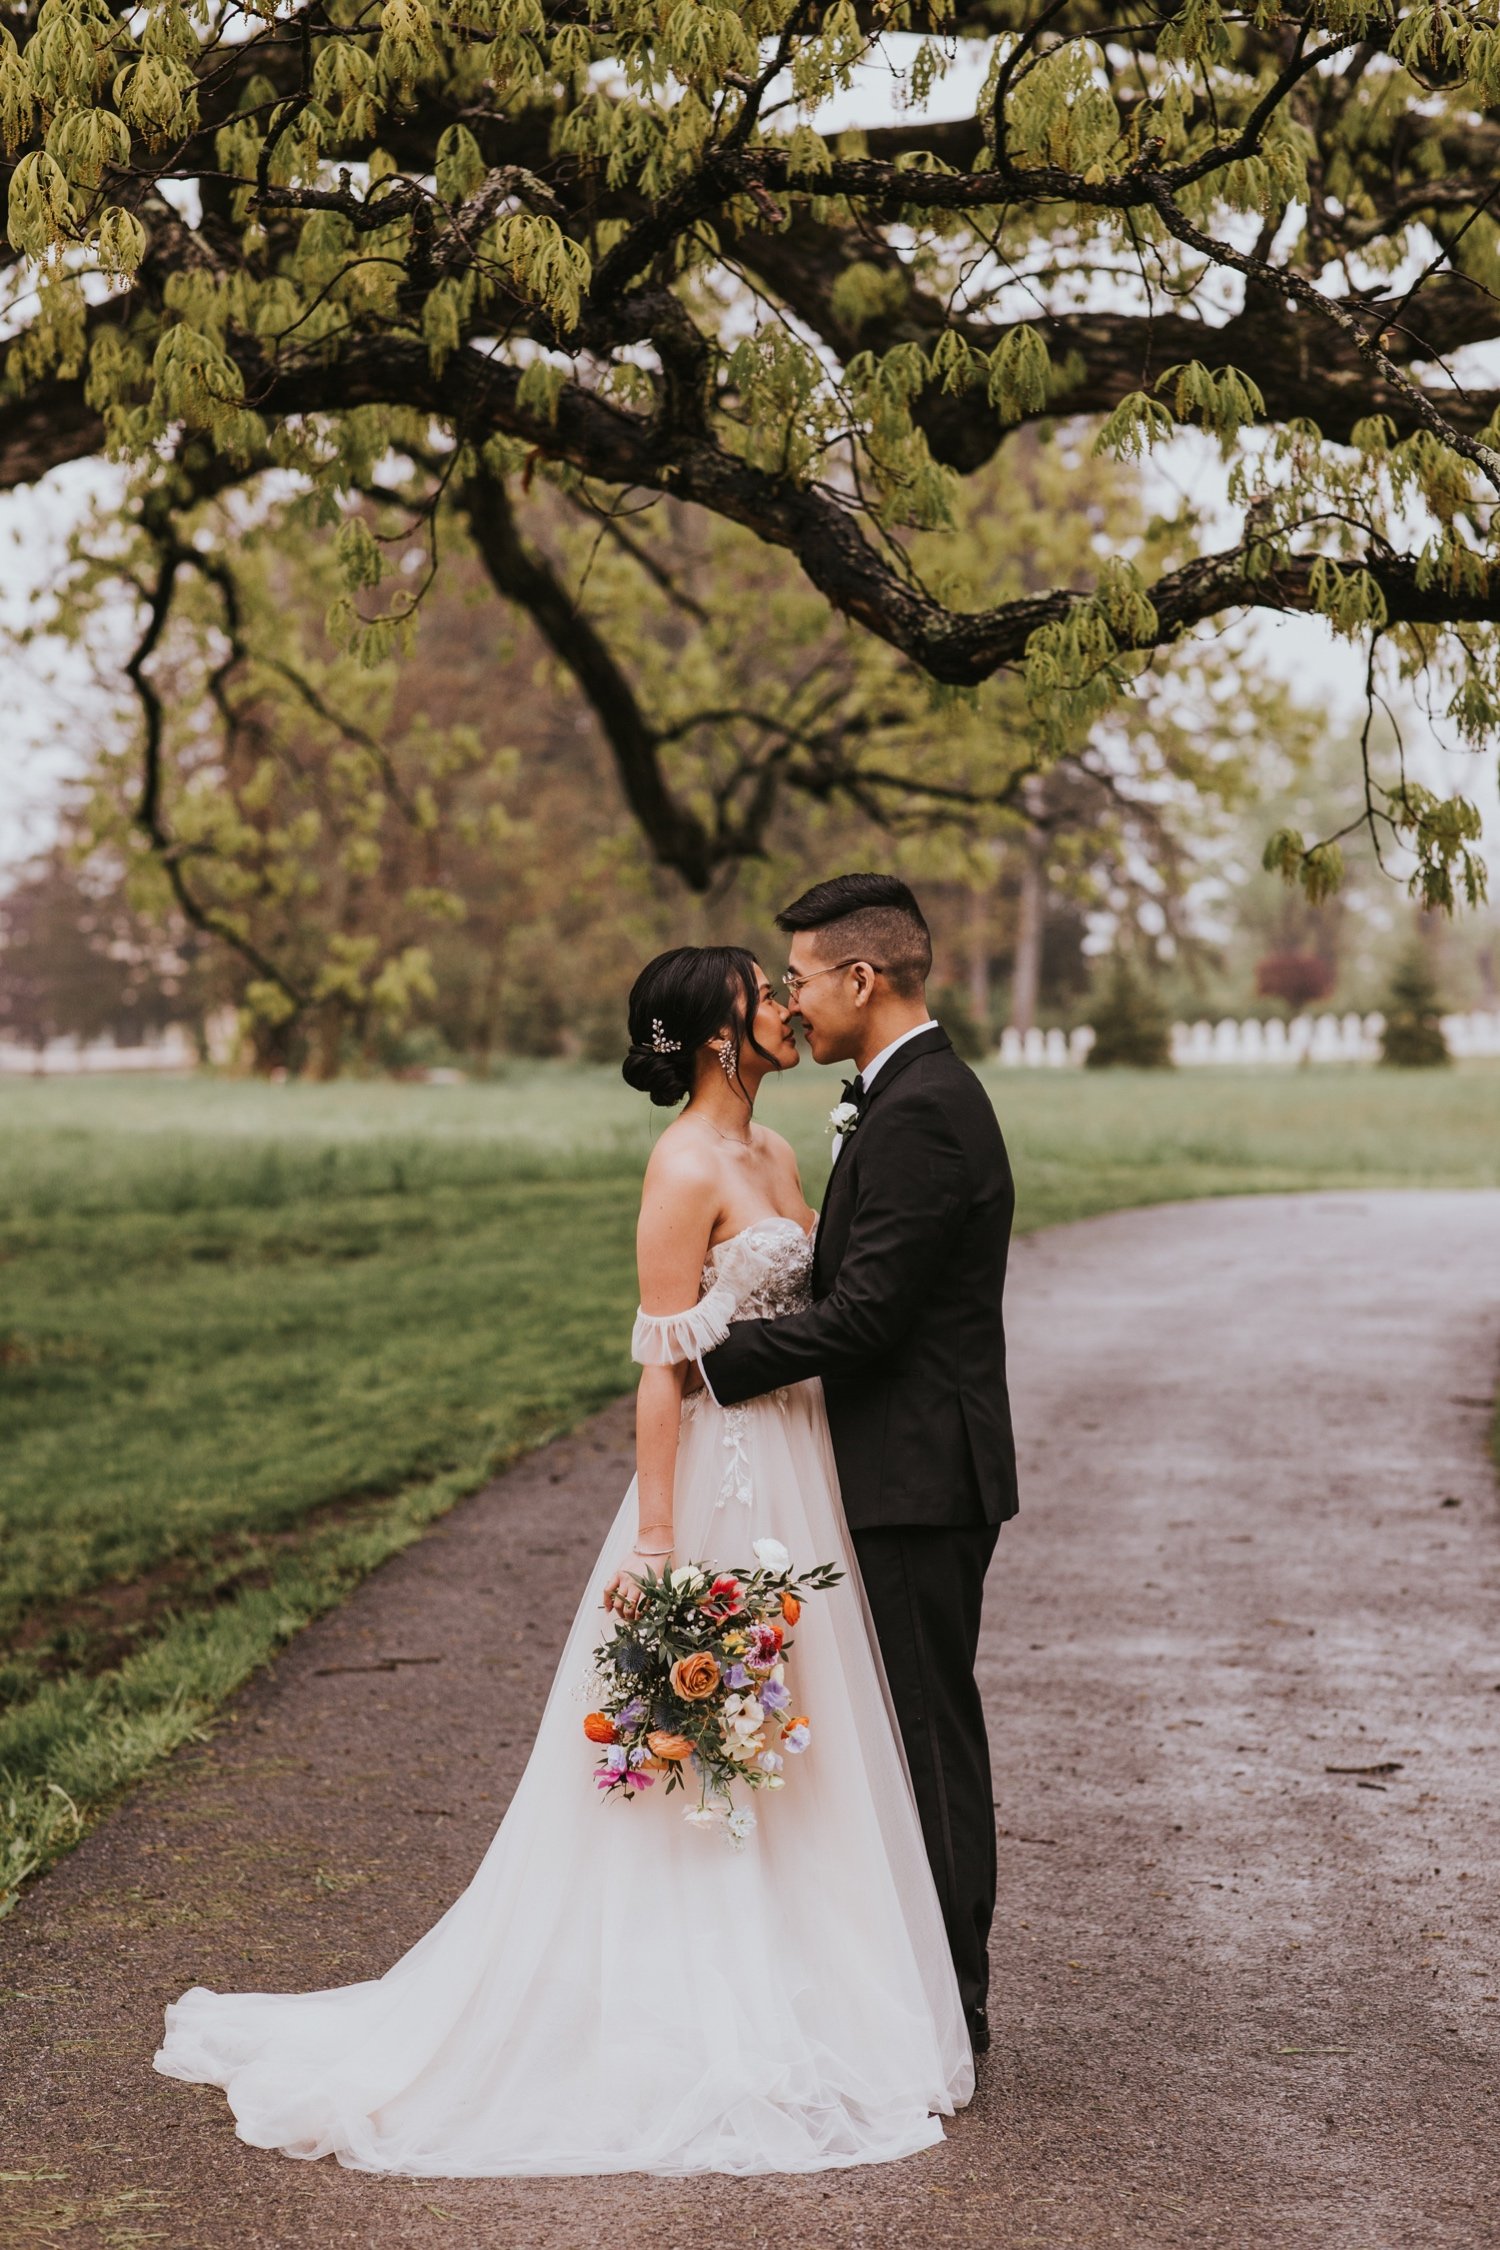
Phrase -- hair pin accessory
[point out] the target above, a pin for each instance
(661, 1044)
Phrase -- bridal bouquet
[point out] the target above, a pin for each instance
(696, 1682)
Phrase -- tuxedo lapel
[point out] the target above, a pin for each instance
(831, 1232)
(926, 1043)
(830, 1218)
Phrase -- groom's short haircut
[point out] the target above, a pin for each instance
(871, 918)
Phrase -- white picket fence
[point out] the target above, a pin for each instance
(1350, 1038)
(68, 1058)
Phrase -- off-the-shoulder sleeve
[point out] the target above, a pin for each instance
(663, 1339)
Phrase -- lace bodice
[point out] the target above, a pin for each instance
(767, 1265)
(761, 1273)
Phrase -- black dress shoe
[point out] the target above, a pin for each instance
(979, 2030)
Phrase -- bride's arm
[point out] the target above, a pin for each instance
(680, 1206)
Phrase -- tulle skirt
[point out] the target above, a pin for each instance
(617, 1990)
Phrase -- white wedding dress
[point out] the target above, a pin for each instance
(617, 1990)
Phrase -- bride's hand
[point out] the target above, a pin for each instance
(622, 1594)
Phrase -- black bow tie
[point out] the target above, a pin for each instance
(854, 1091)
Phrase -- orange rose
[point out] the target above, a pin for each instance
(669, 1746)
(791, 1608)
(598, 1728)
(695, 1677)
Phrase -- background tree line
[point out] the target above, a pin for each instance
(442, 850)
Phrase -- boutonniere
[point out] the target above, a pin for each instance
(842, 1119)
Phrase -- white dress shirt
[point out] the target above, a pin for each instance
(878, 1062)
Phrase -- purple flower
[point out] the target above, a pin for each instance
(796, 1738)
(737, 1676)
(631, 1716)
(775, 1696)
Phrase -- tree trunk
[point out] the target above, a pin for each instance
(326, 1041)
(979, 959)
(270, 1046)
(1030, 915)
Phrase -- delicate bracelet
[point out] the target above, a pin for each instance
(654, 1552)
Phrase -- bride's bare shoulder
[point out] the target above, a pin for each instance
(682, 1160)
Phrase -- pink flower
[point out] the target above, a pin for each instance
(764, 1646)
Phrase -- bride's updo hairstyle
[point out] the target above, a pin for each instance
(678, 1003)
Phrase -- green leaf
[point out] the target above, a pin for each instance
(1284, 854)
(360, 559)
(1136, 425)
(460, 167)
(40, 210)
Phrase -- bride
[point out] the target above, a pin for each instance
(619, 1990)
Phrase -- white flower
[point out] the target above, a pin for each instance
(701, 1816)
(770, 1761)
(842, 1118)
(740, 1823)
(687, 1576)
(771, 1555)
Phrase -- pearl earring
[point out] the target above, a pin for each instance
(728, 1058)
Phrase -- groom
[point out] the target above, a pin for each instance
(905, 1330)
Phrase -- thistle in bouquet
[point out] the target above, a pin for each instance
(693, 1690)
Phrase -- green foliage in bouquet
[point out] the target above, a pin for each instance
(696, 1680)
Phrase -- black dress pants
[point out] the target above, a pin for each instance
(925, 1589)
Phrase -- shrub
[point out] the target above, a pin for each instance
(1297, 978)
(1131, 1026)
(1413, 1036)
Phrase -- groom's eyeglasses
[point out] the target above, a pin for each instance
(794, 983)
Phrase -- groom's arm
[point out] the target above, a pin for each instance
(912, 1195)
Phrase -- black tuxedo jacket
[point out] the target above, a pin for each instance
(906, 1327)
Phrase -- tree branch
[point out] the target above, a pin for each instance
(677, 835)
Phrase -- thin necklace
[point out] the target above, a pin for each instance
(732, 1137)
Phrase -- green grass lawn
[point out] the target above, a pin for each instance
(253, 1338)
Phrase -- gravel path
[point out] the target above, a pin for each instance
(1246, 1993)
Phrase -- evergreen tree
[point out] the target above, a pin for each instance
(1131, 1026)
(1413, 1036)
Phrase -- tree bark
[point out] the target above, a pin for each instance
(1026, 981)
(979, 955)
